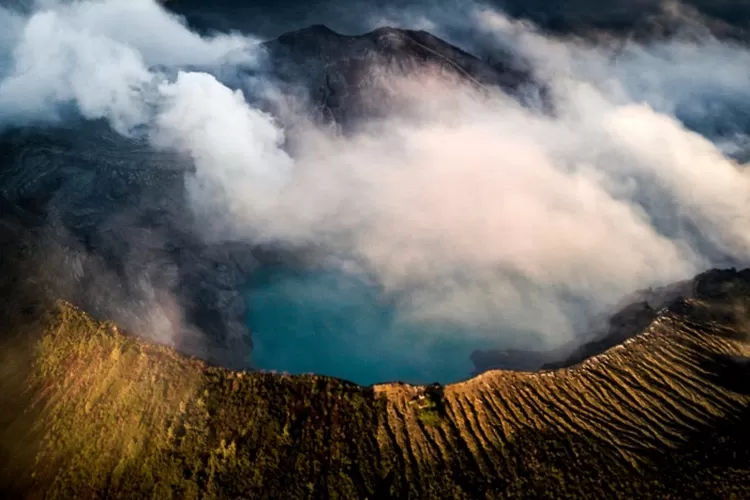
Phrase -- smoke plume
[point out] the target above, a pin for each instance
(467, 207)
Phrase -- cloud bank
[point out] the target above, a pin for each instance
(470, 209)
(139, 69)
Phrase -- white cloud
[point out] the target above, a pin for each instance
(472, 208)
(239, 164)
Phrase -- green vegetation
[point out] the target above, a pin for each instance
(428, 414)
(430, 406)
(91, 412)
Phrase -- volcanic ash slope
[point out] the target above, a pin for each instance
(104, 414)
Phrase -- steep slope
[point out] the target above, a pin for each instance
(348, 78)
(663, 414)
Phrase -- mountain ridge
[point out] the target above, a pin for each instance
(343, 76)
(661, 413)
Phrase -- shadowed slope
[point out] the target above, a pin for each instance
(661, 413)
(348, 79)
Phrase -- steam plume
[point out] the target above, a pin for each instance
(471, 209)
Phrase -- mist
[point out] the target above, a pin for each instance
(471, 214)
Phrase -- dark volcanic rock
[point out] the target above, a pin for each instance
(345, 78)
(109, 228)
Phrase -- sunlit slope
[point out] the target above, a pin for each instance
(663, 414)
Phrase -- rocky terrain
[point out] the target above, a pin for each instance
(98, 413)
(346, 78)
(107, 221)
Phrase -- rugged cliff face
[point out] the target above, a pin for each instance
(105, 414)
(107, 226)
(347, 78)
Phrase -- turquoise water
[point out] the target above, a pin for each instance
(332, 323)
